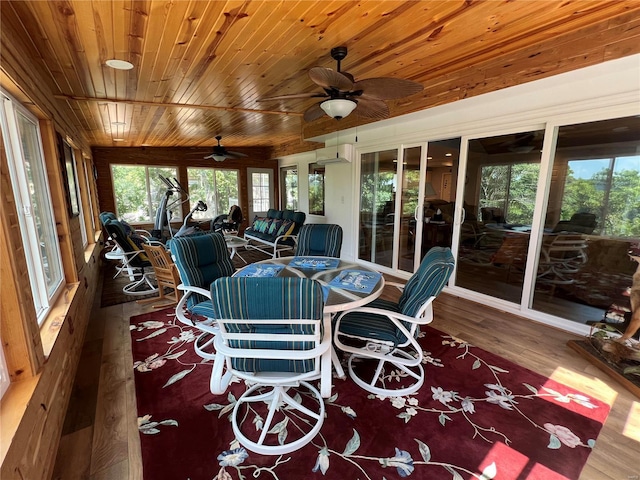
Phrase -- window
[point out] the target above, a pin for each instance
(139, 190)
(608, 187)
(316, 189)
(217, 188)
(28, 174)
(260, 191)
(289, 188)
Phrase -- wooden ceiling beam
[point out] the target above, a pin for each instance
(175, 105)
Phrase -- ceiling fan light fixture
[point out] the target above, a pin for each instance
(338, 107)
(218, 158)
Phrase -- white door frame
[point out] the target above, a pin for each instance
(252, 212)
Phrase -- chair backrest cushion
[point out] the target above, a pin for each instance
(235, 214)
(320, 239)
(200, 260)
(264, 299)
(118, 233)
(428, 281)
(106, 216)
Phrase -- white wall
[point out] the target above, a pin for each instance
(338, 196)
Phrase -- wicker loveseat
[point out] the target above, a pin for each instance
(276, 232)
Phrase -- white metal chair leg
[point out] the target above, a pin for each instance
(276, 395)
(131, 288)
(371, 385)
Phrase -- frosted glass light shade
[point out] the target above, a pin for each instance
(338, 107)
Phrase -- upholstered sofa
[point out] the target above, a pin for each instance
(275, 233)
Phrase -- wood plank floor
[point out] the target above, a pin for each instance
(100, 437)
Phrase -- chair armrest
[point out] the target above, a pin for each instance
(395, 317)
(190, 289)
(399, 286)
(283, 237)
(131, 255)
(156, 243)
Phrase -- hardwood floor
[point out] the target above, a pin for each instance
(100, 437)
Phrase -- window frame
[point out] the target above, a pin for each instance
(44, 293)
(285, 189)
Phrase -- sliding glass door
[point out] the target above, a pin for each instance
(591, 220)
(499, 200)
(396, 228)
(378, 184)
(563, 253)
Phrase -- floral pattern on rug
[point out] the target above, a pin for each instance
(477, 416)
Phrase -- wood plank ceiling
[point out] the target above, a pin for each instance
(201, 66)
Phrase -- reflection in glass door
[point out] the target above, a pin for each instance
(439, 195)
(377, 206)
(592, 221)
(409, 195)
(499, 200)
(393, 233)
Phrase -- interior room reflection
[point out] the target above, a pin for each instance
(582, 265)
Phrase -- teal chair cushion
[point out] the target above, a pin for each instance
(320, 239)
(263, 299)
(204, 309)
(200, 260)
(367, 325)
(428, 281)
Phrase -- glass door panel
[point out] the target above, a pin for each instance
(410, 188)
(439, 196)
(499, 199)
(260, 191)
(592, 219)
(377, 206)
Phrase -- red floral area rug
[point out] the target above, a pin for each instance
(477, 416)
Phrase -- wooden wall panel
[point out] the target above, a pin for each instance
(35, 443)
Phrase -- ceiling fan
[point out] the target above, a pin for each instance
(220, 154)
(343, 94)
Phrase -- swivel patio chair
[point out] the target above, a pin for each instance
(272, 336)
(561, 257)
(228, 224)
(134, 261)
(319, 239)
(200, 260)
(381, 337)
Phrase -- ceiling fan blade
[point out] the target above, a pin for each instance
(372, 108)
(327, 78)
(212, 156)
(313, 113)
(235, 155)
(386, 88)
(293, 95)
